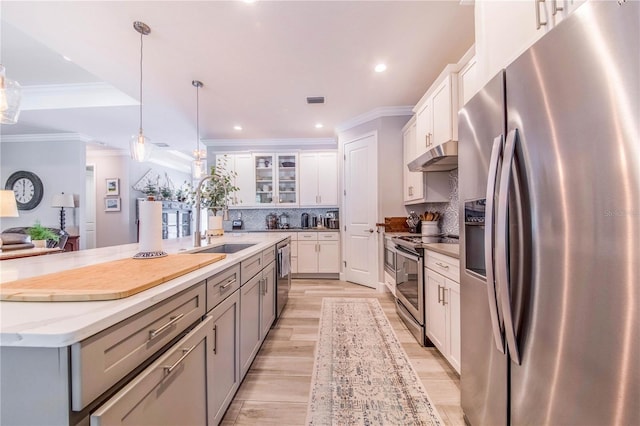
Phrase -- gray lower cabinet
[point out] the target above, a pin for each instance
(268, 299)
(226, 356)
(249, 322)
(257, 309)
(171, 391)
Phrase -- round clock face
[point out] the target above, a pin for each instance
(27, 187)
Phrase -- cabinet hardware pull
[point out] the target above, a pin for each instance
(215, 339)
(266, 286)
(172, 321)
(444, 296)
(185, 353)
(555, 8)
(442, 266)
(224, 287)
(439, 297)
(539, 23)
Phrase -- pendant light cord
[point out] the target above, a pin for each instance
(141, 36)
(198, 121)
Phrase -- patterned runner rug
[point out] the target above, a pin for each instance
(361, 374)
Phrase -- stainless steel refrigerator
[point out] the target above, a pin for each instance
(549, 171)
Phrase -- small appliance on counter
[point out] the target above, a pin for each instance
(313, 221)
(283, 221)
(236, 224)
(304, 220)
(271, 221)
(331, 220)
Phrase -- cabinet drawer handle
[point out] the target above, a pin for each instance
(230, 282)
(185, 353)
(555, 8)
(215, 339)
(172, 321)
(442, 266)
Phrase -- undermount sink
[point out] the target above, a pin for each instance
(226, 248)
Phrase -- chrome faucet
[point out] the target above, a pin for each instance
(225, 211)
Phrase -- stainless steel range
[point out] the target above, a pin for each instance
(410, 280)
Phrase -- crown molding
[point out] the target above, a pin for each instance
(391, 111)
(285, 142)
(45, 137)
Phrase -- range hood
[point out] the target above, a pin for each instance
(442, 158)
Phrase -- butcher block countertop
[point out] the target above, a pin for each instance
(59, 324)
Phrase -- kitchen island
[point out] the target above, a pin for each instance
(47, 366)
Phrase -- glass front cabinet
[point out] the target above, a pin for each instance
(287, 178)
(264, 178)
(276, 179)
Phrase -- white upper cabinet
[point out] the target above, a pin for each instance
(240, 164)
(467, 82)
(287, 166)
(505, 29)
(413, 181)
(319, 178)
(437, 112)
(276, 179)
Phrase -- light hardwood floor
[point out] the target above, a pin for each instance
(276, 388)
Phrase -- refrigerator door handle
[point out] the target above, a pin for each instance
(496, 154)
(502, 243)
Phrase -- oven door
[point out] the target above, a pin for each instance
(410, 284)
(390, 258)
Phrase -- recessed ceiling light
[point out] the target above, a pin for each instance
(66, 58)
(380, 68)
(319, 126)
(236, 127)
(249, 1)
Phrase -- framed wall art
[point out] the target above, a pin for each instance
(112, 204)
(113, 186)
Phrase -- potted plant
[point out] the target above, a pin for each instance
(39, 235)
(215, 193)
(151, 191)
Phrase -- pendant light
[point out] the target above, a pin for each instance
(199, 164)
(10, 96)
(140, 146)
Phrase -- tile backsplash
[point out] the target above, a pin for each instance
(254, 219)
(449, 223)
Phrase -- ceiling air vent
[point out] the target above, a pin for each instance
(315, 99)
(160, 144)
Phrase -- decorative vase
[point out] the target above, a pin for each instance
(214, 226)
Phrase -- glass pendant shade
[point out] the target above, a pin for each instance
(199, 164)
(10, 97)
(198, 168)
(140, 147)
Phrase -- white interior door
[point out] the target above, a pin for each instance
(361, 205)
(90, 208)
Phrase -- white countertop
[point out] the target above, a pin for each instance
(59, 324)
(452, 250)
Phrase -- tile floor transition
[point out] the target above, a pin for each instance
(276, 388)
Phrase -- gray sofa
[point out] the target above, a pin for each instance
(18, 238)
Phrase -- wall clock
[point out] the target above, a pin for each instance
(28, 189)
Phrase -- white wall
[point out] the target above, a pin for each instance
(390, 161)
(115, 228)
(60, 164)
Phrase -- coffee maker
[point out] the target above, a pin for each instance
(331, 219)
(304, 220)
